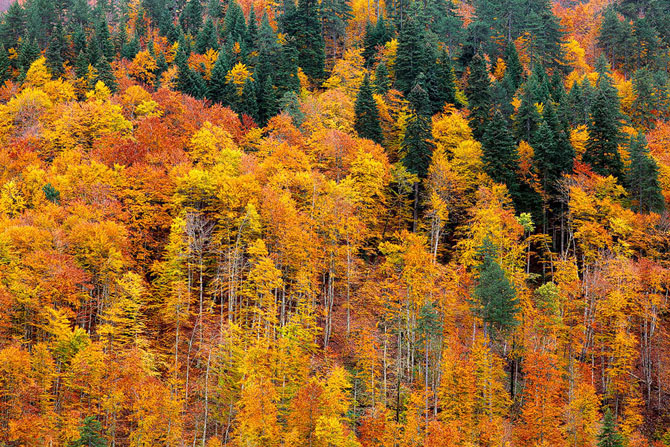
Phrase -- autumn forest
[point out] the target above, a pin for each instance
(335, 223)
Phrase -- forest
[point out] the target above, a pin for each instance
(335, 223)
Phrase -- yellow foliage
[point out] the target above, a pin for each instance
(143, 67)
(450, 129)
(211, 144)
(348, 72)
(578, 138)
(238, 75)
(499, 70)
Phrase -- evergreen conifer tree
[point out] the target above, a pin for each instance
(602, 147)
(500, 157)
(478, 92)
(496, 301)
(366, 120)
(642, 177)
(416, 145)
(609, 436)
(382, 80)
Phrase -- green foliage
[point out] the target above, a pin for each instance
(495, 297)
(366, 120)
(602, 149)
(642, 177)
(417, 147)
(413, 55)
(51, 193)
(500, 157)
(609, 436)
(207, 38)
(90, 434)
(478, 92)
(382, 80)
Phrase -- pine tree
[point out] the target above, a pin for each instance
(478, 92)
(609, 436)
(382, 81)
(366, 120)
(602, 148)
(500, 157)
(642, 178)
(496, 301)
(416, 145)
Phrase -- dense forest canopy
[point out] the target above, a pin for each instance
(335, 223)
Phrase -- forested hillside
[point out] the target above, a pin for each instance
(335, 223)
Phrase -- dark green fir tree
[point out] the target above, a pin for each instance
(366, 119)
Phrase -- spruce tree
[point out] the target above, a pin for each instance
(28, 53)
(366, 120)
(251, 36)
(81, 65)
(478, 92)
(442, 83)
(104, 40)
(602, 147)
(336, 15)
(642, 178)
(495, 297)
(609, 436)
(369, 42)
(13, 25)
(130, 49)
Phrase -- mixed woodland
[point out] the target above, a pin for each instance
(335, 223)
